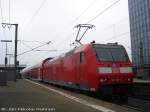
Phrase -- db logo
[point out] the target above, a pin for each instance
(115, 69)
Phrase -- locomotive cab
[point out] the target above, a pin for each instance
(113, 66)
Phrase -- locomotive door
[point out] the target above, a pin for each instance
(77, 64)
(80, 69)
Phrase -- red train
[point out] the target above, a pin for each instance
(90, 67)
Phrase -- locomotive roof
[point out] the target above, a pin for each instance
(77, 49)
(108, 45)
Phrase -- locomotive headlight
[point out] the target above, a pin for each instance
(103, 80)
(125, 69)
(105, 70)
(129, 79)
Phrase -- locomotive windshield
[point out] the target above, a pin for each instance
(110, 53)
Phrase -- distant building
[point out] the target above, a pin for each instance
(10, 71)
(139, 14)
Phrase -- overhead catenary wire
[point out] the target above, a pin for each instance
(69, 37)
(110, 6)
(25, 44)
(116, 24)
(81, 13)
(2, 18)
(9, 18)
(35, 14)
(114, 37)
(32, 41)
(9, 10)
(60, 43)
(103, 11)
(84, 11)
(34, 48)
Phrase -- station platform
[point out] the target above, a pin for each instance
(141, 88)
(141, 81)
(28, 96)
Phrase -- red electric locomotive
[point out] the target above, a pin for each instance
(90, 67)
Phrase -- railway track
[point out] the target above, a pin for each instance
(134, 108)
(137, 103)
(141, 103)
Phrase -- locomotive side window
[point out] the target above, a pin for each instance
(82, 57)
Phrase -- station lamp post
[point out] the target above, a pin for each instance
(10, 56)
(6, 60)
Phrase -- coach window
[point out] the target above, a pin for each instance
(82, 57)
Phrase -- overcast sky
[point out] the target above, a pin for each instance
(41, 21)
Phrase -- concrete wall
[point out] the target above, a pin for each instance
(3, 78)
(10, 75)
